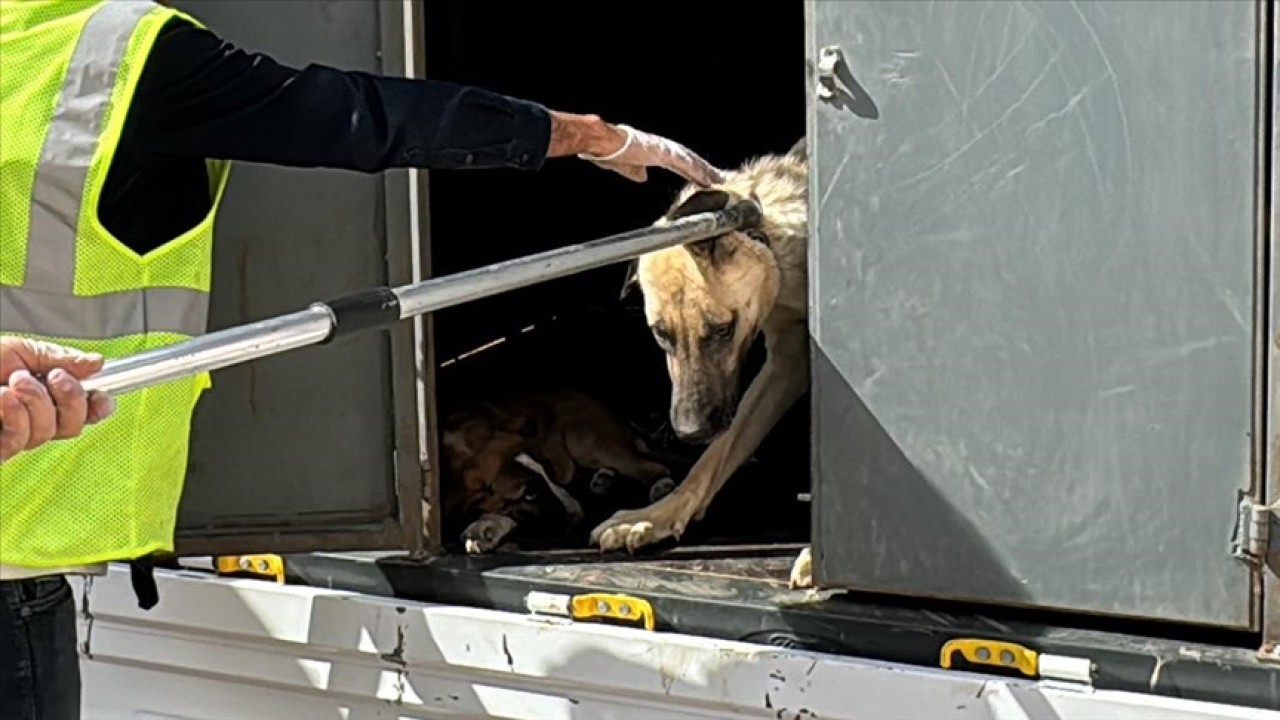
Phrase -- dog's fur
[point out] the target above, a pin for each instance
(508, 463)
(706, 302)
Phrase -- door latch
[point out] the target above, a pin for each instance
(829, 58)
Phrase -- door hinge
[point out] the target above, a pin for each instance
(1253, 533)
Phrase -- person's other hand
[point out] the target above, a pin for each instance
(636, 151)
(33, 412)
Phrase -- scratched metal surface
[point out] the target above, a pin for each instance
(1032, 287)
(304, 440)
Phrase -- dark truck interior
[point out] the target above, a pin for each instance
(576, 332)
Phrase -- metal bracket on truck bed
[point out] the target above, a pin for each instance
(270, 566)
(1061, 670)
(592, 606)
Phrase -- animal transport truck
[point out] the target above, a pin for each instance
(1036, 465)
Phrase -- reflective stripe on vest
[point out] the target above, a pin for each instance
(181, 311)
(45, 304)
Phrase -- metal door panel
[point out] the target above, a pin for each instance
(1269, 218)
(317, 449)
(1032, 291)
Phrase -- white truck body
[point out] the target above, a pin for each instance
(233, 649)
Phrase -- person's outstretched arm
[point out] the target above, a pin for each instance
(202, 97)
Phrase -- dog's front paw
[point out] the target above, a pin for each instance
(802, 570)
(632, 529)
(485, 534)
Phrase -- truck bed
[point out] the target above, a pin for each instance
(741, 595)
(231, 649)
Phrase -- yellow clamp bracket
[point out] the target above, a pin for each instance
(265, 565)
(992, 652)
(609, 605)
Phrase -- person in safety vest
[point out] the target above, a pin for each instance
(118, 121)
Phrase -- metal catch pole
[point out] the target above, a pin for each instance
(323, 322)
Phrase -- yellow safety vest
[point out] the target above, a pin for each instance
(68, 72)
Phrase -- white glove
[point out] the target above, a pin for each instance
(641, 150)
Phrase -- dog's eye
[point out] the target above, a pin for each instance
(530, 495)
(665, 340)
(722, 332)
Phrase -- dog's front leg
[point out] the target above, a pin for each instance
(802, 570)
(486, 533)
(779, 384)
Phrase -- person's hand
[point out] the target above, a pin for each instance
(637, 150)
(625, 150)
(33, 412)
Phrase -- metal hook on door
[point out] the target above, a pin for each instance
(829, 58)
(839, 88)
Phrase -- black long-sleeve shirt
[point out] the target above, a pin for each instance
(200, 97)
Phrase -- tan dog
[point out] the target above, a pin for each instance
(706, 302)
(508, 463)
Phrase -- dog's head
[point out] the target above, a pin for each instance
(493, 470)
(705, 302)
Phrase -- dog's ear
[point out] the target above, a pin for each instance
(466, 433)
(459, 446)
(630, 278)
(520, 424)
(454, 444)
(702, 201)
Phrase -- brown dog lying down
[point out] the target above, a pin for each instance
(513, 463)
